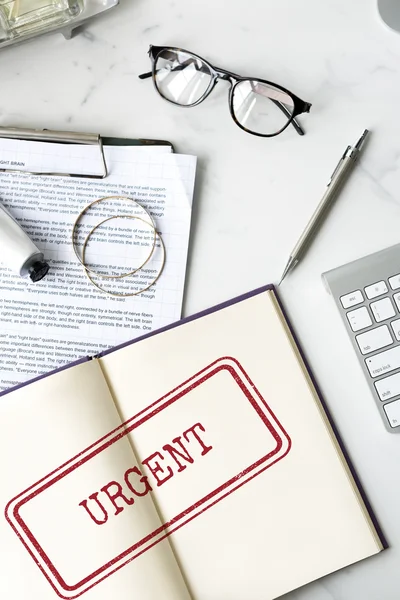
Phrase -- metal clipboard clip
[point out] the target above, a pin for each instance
(64, 137)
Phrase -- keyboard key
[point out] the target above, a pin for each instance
(384, 362)
(396, 328)
(375, 339)
(377, 289)
(396, 298)
(394, 282)
(352, 299)
(359, 319)
(392, 411)
(382, 309)
(389, 387)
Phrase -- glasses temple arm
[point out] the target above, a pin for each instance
(287, 112)
(145, 75)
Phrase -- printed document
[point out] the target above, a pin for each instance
(51, 323)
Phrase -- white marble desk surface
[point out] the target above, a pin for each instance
(255, 195)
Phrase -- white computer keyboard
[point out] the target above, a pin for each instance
(367, 294)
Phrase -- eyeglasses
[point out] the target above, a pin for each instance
(258, 106)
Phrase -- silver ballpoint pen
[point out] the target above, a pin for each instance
(338, 177)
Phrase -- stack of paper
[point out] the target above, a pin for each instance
(64, 317)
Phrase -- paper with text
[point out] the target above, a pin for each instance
(282, 526)
(45, 157)
(56, 418)
(214, 457)
(64, 317)
(101, 497)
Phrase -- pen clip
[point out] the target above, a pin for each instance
(338, 165)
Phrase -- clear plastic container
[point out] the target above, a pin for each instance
(25, 18)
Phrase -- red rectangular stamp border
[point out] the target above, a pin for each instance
(283, 446)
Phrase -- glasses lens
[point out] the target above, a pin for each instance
(181, 77)
(261, 108)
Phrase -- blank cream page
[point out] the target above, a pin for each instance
(232, 442)
(64, 532)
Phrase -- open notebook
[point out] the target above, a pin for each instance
(197, 462)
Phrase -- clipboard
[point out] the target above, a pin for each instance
(70, 137)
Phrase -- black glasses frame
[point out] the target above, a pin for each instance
(299, 106)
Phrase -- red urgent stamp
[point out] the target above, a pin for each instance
(186, 450)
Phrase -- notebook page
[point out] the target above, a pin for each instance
(63, 317)
(244, 470)
(55, 540)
